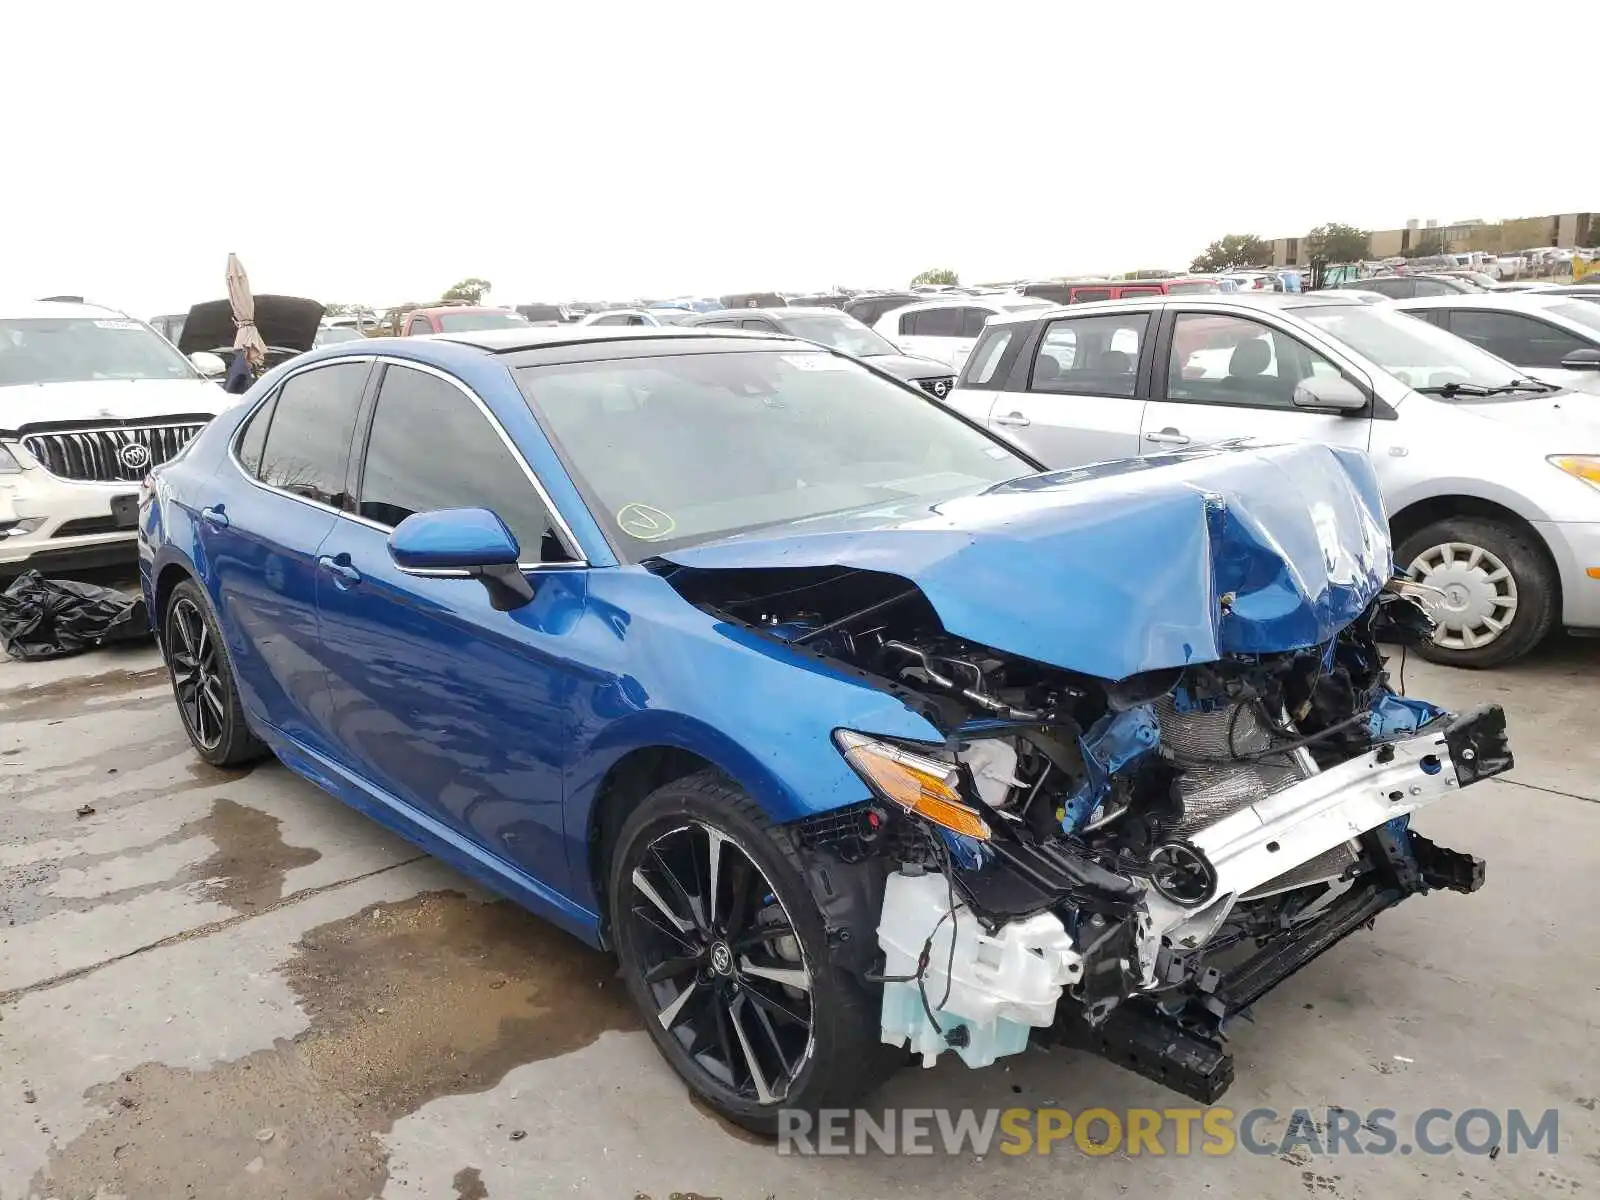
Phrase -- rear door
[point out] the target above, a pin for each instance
(1221, 376)
(929, 332)
(1076, 393)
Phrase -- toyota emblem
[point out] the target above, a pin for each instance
(134, 456)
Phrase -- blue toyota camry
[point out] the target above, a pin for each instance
(851, 731)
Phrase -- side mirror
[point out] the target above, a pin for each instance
(208, 364)
(1582, 360)
(466, 541)
(1329, 392)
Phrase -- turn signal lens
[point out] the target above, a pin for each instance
(1585, 466)
(921, 785)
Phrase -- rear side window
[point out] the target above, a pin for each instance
(973, 320)
(987, 355)
(1522, 341)
(431, 448)
(307, 448)
(933, 322)
(254, 437)
(1095, 356)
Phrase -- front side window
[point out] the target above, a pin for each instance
(933, 322)
(431, 448)
(307, 448)
(1230, 360)
(675, 449)
(1093, 356)
(37, 350)
(1525, 341)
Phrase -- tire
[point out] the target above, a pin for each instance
(843, 1057)
(206, 693)
(1470, 557)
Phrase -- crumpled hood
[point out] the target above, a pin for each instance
(107, 401)
(1122, 567)
(287, 321)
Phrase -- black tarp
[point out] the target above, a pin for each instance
(51, 618)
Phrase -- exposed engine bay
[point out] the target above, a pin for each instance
(1118, 865)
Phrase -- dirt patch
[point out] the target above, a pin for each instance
(248, 867)
(468, 1184)
(435, 996)
(70, 697)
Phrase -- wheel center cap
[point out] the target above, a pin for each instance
(721, 958)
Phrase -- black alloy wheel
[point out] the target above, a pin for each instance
(202, 681)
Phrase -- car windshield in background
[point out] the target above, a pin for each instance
(461, 322)
(78, 349)
(1193, 287)
(1417, 353)
(672, 450)
(672, 316)
(328, 335)
(1587, 315)
(841, 333)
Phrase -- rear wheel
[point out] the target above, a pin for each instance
(1496, 590)
(724, 951)
(203, 683)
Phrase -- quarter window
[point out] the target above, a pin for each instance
(986, 357)
(254, 437)
(1517, 339)
(1230, 360)
(431, 448)
(1095, 356)
(307, 446)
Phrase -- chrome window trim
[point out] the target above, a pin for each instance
(563, 530)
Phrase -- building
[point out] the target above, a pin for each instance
(1562, 230)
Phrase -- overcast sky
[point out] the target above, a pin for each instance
(378, 152)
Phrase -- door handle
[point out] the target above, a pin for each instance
(344, 575)
(1014, 418)
(1167, 437)
(217, 516)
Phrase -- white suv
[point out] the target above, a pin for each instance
(90, 400)
(945, 329)
(1491, 479)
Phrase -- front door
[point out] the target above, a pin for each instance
(263, 542)
(452, 707)
(1235, 377)
(1083, 398)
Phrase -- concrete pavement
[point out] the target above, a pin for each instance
(227, 984)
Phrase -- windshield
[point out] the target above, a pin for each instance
(842, 333)
(1192, 287)
(457, 322)
(672, 450)
(330, 334)
(672, 316)
(77, 349)
(1418, 354)
(1587, 315)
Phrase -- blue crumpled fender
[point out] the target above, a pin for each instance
(1123, 567)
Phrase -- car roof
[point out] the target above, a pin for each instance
(473, 308)
(23, 310)
(1506, 300)
(1243, 301)
(536, 337)
(788, 310)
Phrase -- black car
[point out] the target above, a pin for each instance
(869, 308)
(838, 331)
(287, 324)
(1410, 287)
(752, 300)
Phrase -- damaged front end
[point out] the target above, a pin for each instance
(1119, 866)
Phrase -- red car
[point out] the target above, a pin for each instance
(455, 318)
(1088, 290)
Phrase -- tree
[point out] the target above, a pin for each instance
(1232, 250)
(936, 275)
(472, 290)
(337, 310)
(1430, 243)
(1336, 243)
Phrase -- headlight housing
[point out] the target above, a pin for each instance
(913, 782)
(8, 461)
(1581, 466)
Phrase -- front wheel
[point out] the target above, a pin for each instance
(724, 951)
(1495, 590)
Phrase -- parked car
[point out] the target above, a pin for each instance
(1551, 337)
(1087, 291)
(541, 314)
(869, 308)
(90, 399)
(1578, 291)
(846, 728)
(460, 318)
(946, 329)
(842, 332)
(752, 300)
(1407, 287)
(640, 316)
(1255, 281)
(328, 334)
(1492, 479)
(287, 324)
